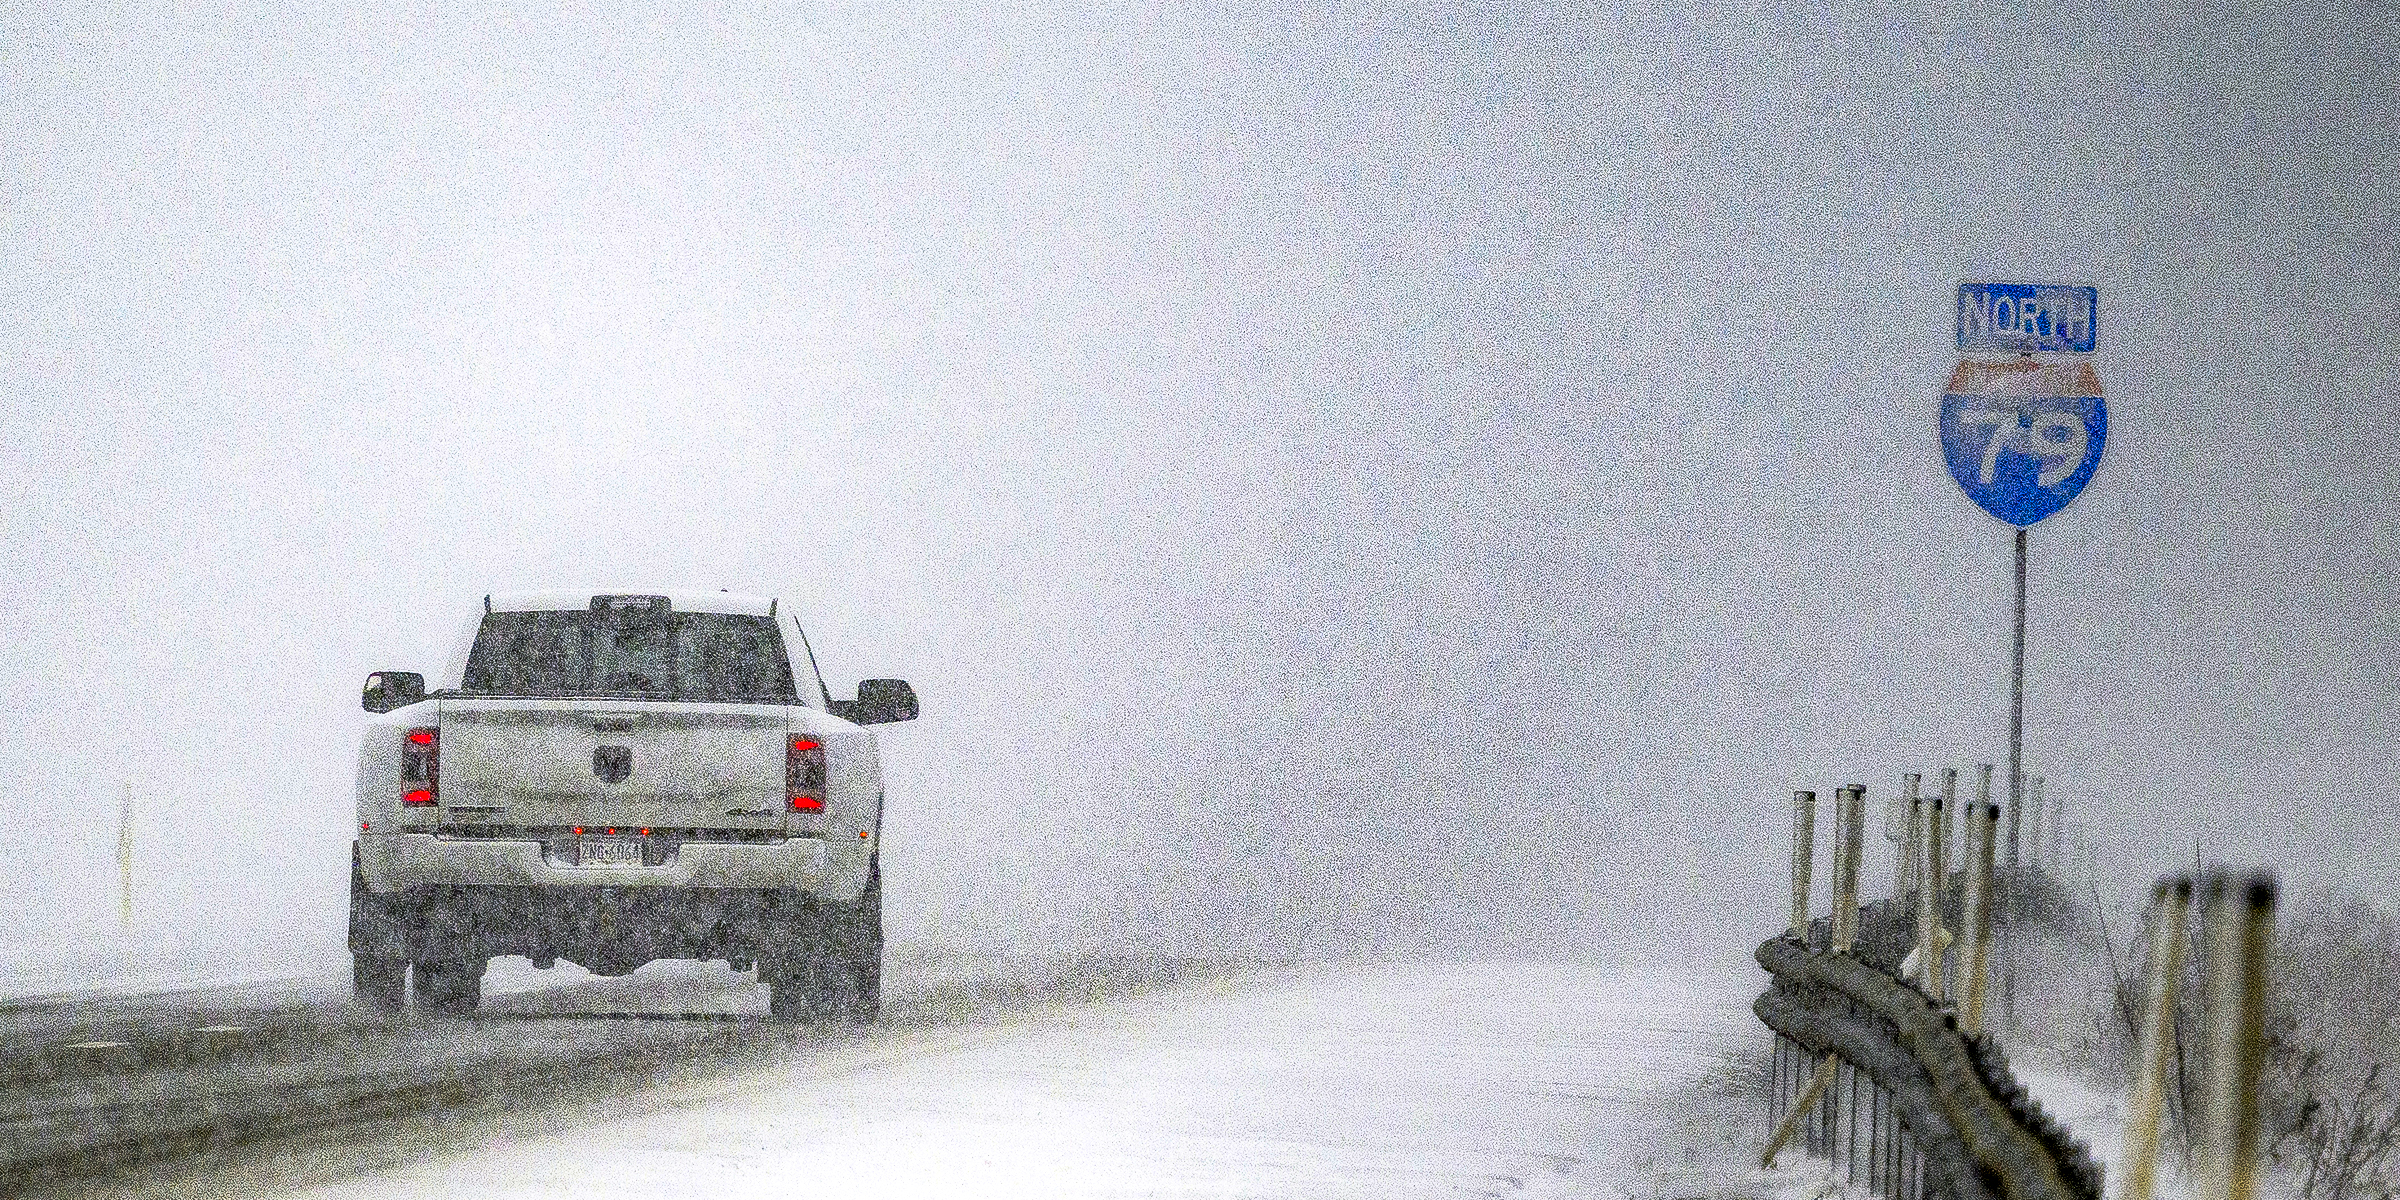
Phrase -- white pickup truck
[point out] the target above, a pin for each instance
(617, 778)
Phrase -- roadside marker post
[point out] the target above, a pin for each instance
(125, 858)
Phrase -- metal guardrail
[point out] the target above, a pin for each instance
(1869, 1048)
(1898, 1092)
(1916, 1109)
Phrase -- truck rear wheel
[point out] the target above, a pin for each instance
(450, 987)
(379, 983)
(835, 971)
(807, 990)
(862, 953)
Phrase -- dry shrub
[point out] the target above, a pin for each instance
(2333, 1044)
(2334, 1048)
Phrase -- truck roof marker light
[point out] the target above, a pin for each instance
(420, 737)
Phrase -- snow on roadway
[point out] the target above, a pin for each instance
(1375, 1080)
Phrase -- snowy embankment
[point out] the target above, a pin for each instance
(102, 960)
(1342, 1080)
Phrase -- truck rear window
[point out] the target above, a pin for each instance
(686, 656)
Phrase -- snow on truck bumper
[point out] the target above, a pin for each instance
(395, 862)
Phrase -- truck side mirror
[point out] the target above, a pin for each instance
(880, 702)
(387, 690)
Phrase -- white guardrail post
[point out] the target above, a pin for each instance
(2033, 833)
(1910, 808)
(1858, 856)
(1834, 925)
(1983, 827)
(2016, 821)
(1804, 836)
(2162, 972)
(1929, 894)
(2058, 834)
(1849, 824)
(2237, 920)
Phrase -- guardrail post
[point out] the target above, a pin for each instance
(1850, 831)
(1804, 837)
(1835, 927)
(1858, 851)
(1983, 796)
(2237, 919)
(1982, 828)
(1874, 1134)
(2033, 835)
(1950, 808)
(2058, 834)
(1929, 892)
(1949, 799)
(2016, 816)
(1911, 806)
(2170, 902)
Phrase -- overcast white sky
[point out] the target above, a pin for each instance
(1356, 475)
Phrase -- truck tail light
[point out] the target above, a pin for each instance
(804, 775)
(420, 766)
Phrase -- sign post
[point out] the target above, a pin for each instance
(2022, 428)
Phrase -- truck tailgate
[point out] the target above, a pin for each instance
(552, 763)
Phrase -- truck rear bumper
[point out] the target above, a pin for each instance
(396, 862)
(609, 930)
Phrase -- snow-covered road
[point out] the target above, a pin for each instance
(1376, 1080)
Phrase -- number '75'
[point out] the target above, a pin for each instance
(2057, 438)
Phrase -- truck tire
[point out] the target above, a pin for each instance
(802, 990)
(379, 983)
(834, 971)
(378, 926)
(450, 987)
(862, 955)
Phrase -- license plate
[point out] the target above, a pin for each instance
(608, 852)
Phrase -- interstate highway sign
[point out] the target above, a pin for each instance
(2021, 436)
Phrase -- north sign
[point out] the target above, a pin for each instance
(2027, 318)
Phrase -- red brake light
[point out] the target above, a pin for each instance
(421, 763)
(804, 775)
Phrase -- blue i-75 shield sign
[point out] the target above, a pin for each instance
(2023, 437)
